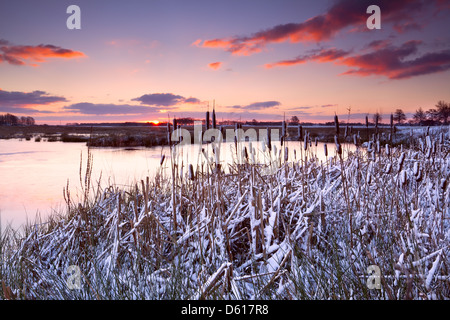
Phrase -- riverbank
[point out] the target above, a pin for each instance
(153, 135)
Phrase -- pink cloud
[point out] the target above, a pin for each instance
(196, 43)
(343, 14)
(215, 65)
(19, 55)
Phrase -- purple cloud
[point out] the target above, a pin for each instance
(104, 109)
(380, 58)
(394, 63)
(258, 105)
(342, 14)
(20, 99)
(164, 99)
(323, 55)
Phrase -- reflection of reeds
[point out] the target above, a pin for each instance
(65, 137)
(121, 140)
(270, 230)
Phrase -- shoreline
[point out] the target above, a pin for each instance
(149, 136)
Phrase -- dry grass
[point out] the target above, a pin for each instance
(282, 229)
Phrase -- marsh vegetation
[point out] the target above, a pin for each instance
(284, 228)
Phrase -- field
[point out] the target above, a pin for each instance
(106, 136)
(369, 224)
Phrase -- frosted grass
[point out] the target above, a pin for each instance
(297, 229)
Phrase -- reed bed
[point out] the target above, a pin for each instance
(263, 226)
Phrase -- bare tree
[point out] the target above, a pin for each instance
(12, 120)
(443, 111)
(399, 116)
(432, 114)
(377, 118)
(294, 120)
(30, 121)
(420, 116)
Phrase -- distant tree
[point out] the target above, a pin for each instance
(185, 121)
(432, 115)
(30, 121)
(443, 111)
(399, 116)
(419, 116)
(12, 120)
(295, 120)
(377, 118)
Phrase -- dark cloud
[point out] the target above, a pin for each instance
(396, 63)
(164, 99)
(15, 110)
(19, 55)
(262, 105)
(18, 99)
(258, 105)
(380, 58)
(302, 109)
(298, 109)
(407, 26)
(324, 55)
(378, 44)
(192, 100)
(343, 14)
(110, 109)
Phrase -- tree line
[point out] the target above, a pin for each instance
(440, 114)
(12, 120)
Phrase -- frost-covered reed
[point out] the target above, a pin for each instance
(296, 229)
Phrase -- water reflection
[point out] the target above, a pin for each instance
(33, 174)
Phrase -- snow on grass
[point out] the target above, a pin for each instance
(300, 229)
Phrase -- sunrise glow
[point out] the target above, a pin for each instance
(278, 58)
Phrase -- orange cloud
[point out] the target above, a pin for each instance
(215, 65)
(236, 47)
(196, 43)
(284, 63)
(18, 55)
(216, 43)
(342, 15)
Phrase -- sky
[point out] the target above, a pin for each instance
(152, 60)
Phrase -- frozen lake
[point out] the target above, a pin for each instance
(34, 174)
